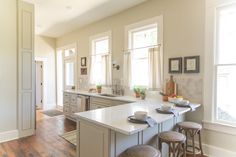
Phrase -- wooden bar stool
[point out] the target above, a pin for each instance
(141, 151)
(191, 129)
(175, 141)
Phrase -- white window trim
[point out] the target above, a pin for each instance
(210, 122)
(144, 24)
(100, 36)
(69, 46)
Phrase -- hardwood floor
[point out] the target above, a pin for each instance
(46, 142)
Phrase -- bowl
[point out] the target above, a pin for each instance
(184, 102)
(174, 100)
(140, 115)
(166, 107)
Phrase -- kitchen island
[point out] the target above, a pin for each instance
(106, 132)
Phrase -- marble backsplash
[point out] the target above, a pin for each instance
(190, 87)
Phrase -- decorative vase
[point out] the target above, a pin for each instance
(99, 90)
(137, 95)
(143, 96)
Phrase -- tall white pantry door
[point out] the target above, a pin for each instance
(26, 71)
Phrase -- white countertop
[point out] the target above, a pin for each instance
(115, 118)
(120, 98)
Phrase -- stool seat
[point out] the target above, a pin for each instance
(172, 136)
(141, 151)
(190, 125)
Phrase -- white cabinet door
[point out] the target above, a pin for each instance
(26, 65)
(92, 137)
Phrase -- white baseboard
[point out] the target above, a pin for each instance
(8, 136)
(213, 151)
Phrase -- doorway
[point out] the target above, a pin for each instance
(39, 85)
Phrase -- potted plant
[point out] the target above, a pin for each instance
(137, 92)
(143, 93)
(164, 96)
(99, 88)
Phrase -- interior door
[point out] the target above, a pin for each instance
(39, 84)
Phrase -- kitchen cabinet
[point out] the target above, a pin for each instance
(73, 103)
(96, 103)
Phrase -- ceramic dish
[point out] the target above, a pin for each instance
(134, 120)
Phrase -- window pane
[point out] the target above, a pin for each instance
(225, 97)
(69, 74)
(101, 46)
(145, 38)
(69, 52)
(139, 61)
(139, 67)
(227, 35)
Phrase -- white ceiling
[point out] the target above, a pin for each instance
(55, 18)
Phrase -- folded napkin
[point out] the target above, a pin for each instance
(151, 122)
(190, 105)
(171, 111)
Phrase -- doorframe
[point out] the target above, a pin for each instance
(43, 87)
(62, 48)
(43, 60)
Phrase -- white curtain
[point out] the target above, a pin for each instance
(155, 68)
(92, 78)
(127, 69)
(106, 70)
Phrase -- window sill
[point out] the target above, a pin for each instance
(219, 127)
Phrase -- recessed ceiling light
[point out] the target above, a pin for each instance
(68, 7)
(39, 26)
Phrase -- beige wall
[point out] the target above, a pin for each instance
(183, 29)
(184, 26)
(8, 66)
(45, 48)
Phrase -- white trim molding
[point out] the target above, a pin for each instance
(8, 136)
(212, 151)
(218, 127)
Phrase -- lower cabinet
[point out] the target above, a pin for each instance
(73, 103)
(96, 103)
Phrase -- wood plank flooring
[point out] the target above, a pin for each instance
(46, 142)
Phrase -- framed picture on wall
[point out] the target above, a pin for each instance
(175, 65)
(83, 71)
(192, 64)
(83, 61)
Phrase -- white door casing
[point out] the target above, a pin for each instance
(39, 84)
(26, 70)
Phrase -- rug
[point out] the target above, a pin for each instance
(70, 137)
(52, 113)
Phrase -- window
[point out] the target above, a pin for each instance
(140, 42)
(100, 72)
(143, 57)
(225, 64)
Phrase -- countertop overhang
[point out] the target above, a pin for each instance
(115, 118)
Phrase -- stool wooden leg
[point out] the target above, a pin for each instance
(186, 142)
(173, 151)
(200, 142)
(193, 145)
(169, 149)
(160, 145)
(184, 149)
